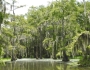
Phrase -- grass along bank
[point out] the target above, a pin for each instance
(4, 59)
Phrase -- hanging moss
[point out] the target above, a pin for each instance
(78, 40)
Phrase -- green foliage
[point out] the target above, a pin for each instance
(50, 19)
(48, 43)
(2, 44)
(59, 26)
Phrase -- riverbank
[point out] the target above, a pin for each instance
(72, 62)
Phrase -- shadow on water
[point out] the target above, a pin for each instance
(44, 64)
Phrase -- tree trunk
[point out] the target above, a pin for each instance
(13, 58)
(40, 50)
(54, 51)
(36, 52)
(65, 57)
(0, 28)
(54, 45)
(40, 43)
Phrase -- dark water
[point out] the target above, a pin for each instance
(39, 65)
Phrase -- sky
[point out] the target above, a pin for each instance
(29, 3)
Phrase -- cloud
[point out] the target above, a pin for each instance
(29, 3)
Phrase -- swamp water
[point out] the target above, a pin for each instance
(43, 64)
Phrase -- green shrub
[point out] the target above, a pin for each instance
(84, 61)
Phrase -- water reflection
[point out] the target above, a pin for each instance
(39, 65)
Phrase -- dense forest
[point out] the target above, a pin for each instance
(60, 30)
